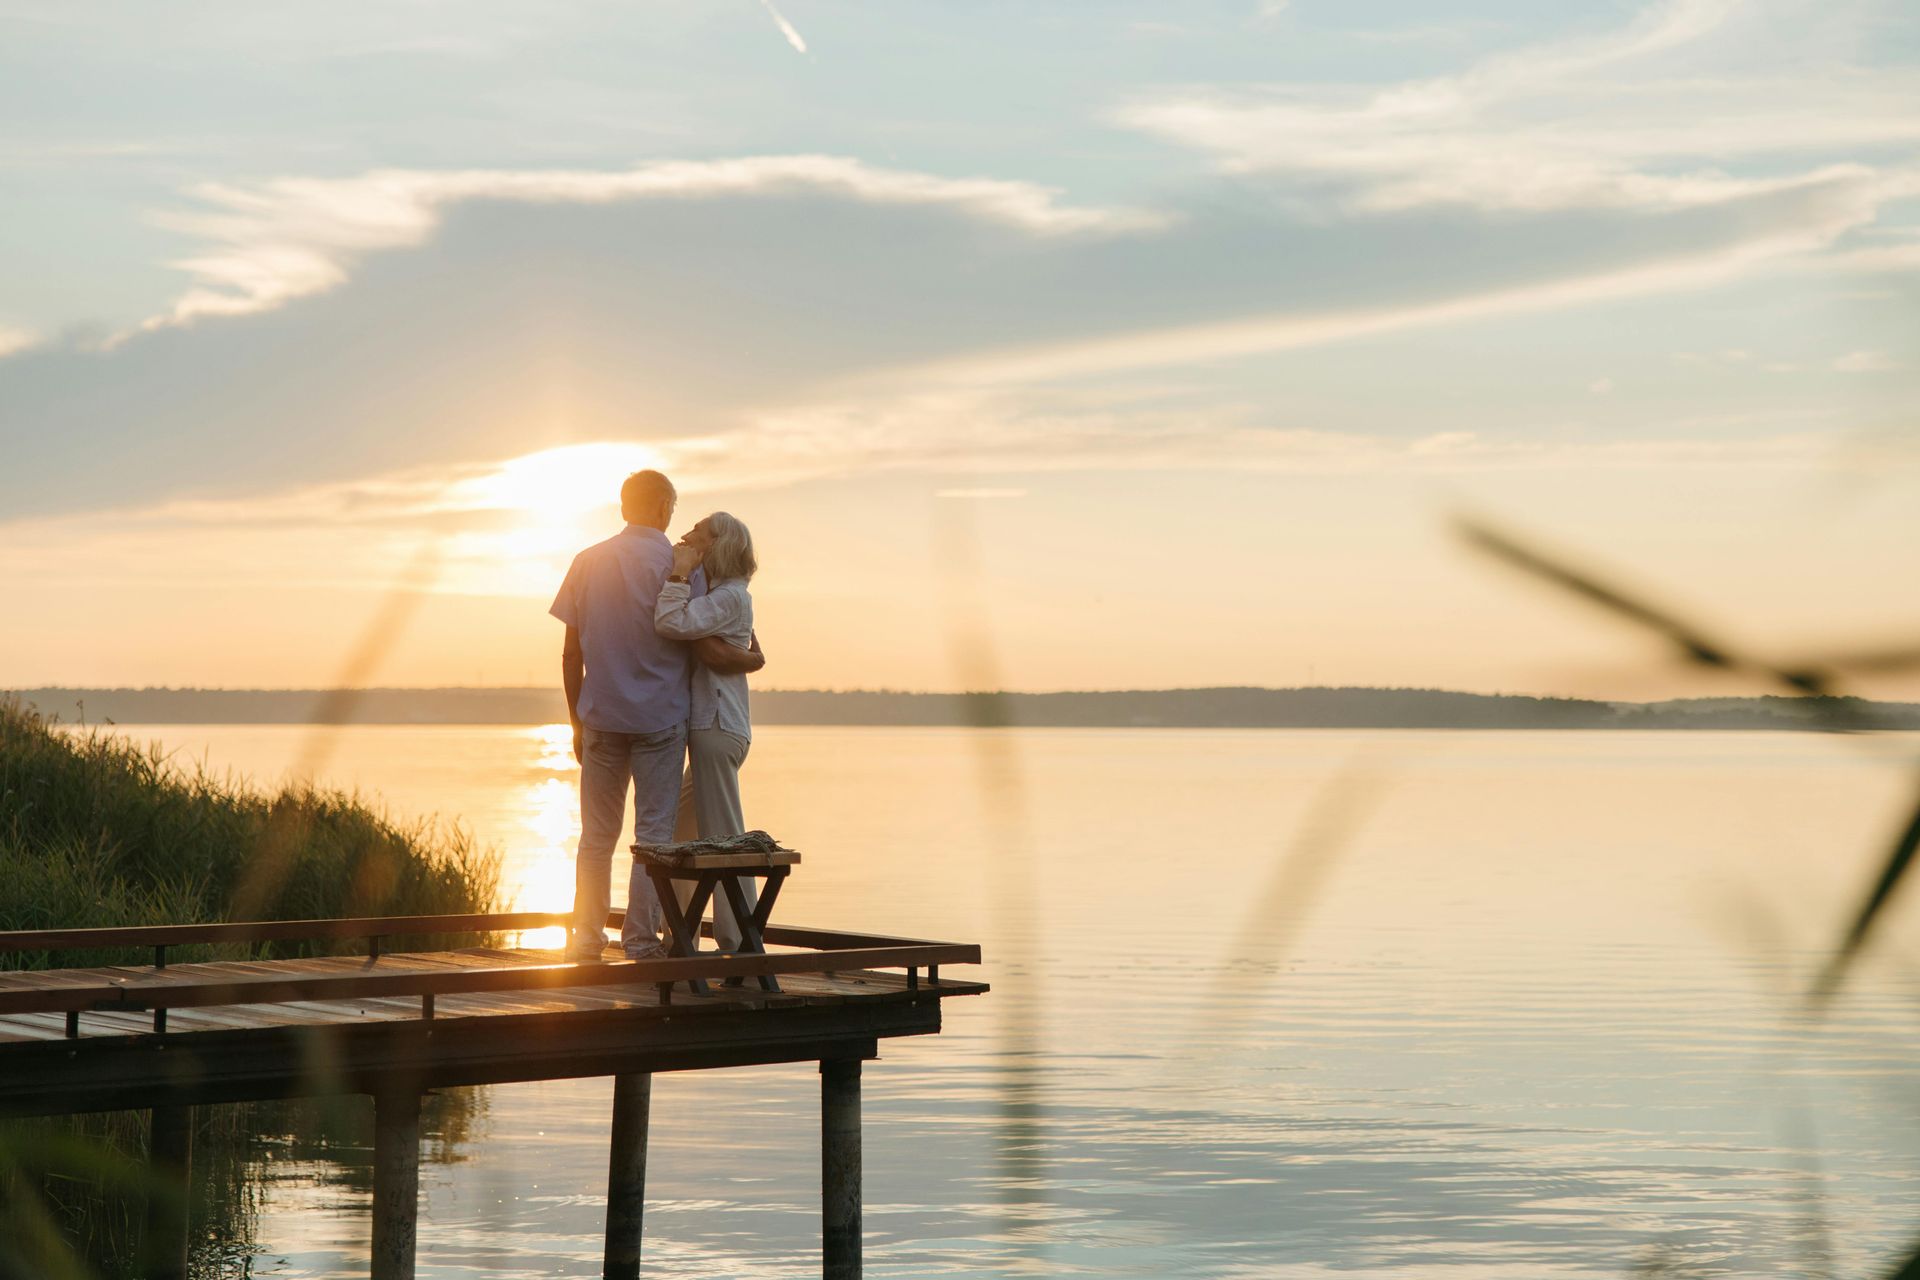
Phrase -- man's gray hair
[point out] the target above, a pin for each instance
(644, 491)
(731, 555)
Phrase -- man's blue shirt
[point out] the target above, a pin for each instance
(636, 681)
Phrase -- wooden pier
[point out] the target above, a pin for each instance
(167, 1037)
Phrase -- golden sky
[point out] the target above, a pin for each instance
(1171, 372)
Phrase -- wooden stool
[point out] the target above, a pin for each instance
(722, 871)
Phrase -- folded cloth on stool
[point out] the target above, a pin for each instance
(674, 855)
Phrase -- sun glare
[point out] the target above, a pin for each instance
(556, 485)
(557, 501)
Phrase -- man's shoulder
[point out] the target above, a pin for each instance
(625, 545)
(608, 546)
(588, 554)
(646, 544)
(625, 562)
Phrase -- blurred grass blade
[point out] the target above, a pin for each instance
(1812, 1229)
(1908, 1270)
(1294, 884)
(270, 865)
(1878, 661)
(1690, 639)
(382, 632)
(1810, 673)
(1698, 646)
(1899, 858)
(1020, 1132)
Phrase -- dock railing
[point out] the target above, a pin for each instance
(153, 988)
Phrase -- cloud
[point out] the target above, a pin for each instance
(1801, 227)
(939, 433)
(1726, 357)
(269, 243)
(1851, 362)
(513, 523)
(449, 318)
(1006, 433)
(1876, 259)
(1863, 362)
(1645, 118)
(507, 527)
(13, 340)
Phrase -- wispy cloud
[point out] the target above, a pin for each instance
(993, 434)
(786, 28)
(970, 434)
(1730, 356)
(271, 242)
(14, 339)
(1863, 362)
(1808, 226)
(508, 528)
(1736, 358)
(1644, 118)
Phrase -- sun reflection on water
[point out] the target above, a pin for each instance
(556, 747)
(548, 811)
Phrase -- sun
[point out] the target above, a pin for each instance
(550, 504)
(555, 485)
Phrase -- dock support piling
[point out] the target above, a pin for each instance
(627, 1174)
(396, 1183)
(840, 1167)
(169, 1195)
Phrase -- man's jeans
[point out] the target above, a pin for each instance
(652, 761)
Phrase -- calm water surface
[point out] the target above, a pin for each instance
(1266, 1004)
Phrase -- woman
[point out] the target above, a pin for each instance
(719, 730)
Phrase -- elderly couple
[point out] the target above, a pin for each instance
(659, 643)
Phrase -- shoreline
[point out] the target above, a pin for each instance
(1218, 708)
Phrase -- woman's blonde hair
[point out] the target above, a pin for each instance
(731, 555)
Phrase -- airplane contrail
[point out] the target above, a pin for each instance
(786, 28)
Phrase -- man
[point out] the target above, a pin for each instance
(628, 695)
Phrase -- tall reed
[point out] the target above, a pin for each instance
(99, 830)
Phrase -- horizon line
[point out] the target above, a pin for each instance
(16, 690)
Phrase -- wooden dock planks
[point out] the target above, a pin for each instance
(169, 1037)
(210, 1052)
(815, 988)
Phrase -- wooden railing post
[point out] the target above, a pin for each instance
(396, 1182)
(169, 1191)
(840, 1167)
(627, 1175)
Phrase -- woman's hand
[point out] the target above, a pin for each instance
(686, 558)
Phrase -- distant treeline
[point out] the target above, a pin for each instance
(1154, 708)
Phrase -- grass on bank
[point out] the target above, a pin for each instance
(97, 830)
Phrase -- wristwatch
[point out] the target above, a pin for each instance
(677, 577)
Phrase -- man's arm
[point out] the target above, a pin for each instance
(724, 657)
(573, 671)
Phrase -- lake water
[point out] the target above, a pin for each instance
(1267, 1003)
